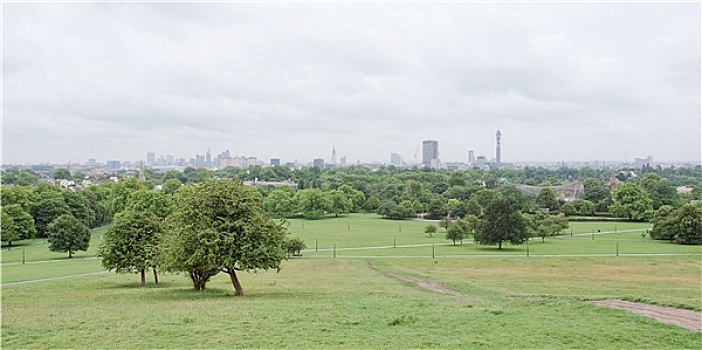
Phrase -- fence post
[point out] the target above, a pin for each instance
(349, 225)
(316, 245)
(432, 251)
(334, 254)
(394, 242)
(527, 247)
(593, 235)
(23, 256)
(400, 227)
(617, 248)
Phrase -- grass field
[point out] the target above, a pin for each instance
(509, 301)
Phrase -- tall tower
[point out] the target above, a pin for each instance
(333, 159)
(430, 151)
(498, 148)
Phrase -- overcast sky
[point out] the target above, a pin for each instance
(562, 81)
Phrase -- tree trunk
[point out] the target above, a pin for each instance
(70, 253)
(235, 283)
(499, 245)
(155, 275)
(143, 277)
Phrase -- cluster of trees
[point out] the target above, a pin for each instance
(682, 225)
(200, 230)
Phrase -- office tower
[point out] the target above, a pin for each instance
(333, 157)
(471, 156)
(395, 159)
(318, 162)
(343, 160)
(498, 148)
(208, 158)
(150, 158)
(430, 151)
(113, 165)
(275, 161)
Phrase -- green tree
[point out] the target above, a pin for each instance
(458, 231)
(312, 202)
(445, 223)
(19, 225)
(280, 203)
(49, 207)
(688, 224)
(663, 224)
(170, 186)
(219, 226)
(502, 222)
(430, 230)
(26, 177)
(337, 203)
(62, 173)
(79, 207)
(595, 191)
(68, 234)
(149, 201)
(543, 225)
(295, 246)
(130, 244)
(404, 210)
(631, 202)
(658, 190)
(547, 199)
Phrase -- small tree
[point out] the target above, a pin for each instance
(220, 226)
(16, 224)
(68, 234)
(430, 230)
(458, 231)
(295, 246)
(502, 222)
(688, 224)
(130, 244)
(445, 223)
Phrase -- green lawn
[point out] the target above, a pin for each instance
(510, 300)
(38, 250)
(344, 303)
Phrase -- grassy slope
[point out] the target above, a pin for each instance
(343, 303)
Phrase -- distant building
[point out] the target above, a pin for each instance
(498, 147)
(395, 159)
(113, 165)
(318, 162)
(275, 161)
(343, 161)
(471, 156)
(430, 152)
(150, 158)
(333, 156)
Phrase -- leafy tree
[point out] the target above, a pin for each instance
(480, 200)
(631, 202)
(130, 244)
(68, 234)
(688, 224)
(357, 198)
(663, 224)
(295, 246)
(430, 230)
(26, 177)
(150, 201)
(312, 202)
(658, 190)
(458, 231)
(20, 195)
(79, 207)
(543, 225)
(404, 210)
(63, 174)
(595, 191)
(217, 227)
(8, 227)
(280, 203)
(547, 199)
(445, 223)
(19, 225)
(120, 192)
(386, 208)
(437, 208)
(372, 204)
(502, 222)
(50, 207)
(9, 176)
(170, 186)
(337, 203)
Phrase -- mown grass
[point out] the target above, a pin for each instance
(510, 300)
(38, 250)
(344, 303)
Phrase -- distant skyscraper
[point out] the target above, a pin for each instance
(471, 156)
(430, 151)
(333, 158)
(150, 158)
(395, 159)
(498, 148)
(318, 162)
(208, 158)
(275, 161)
(113, 165)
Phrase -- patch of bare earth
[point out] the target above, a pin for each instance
(688, 319)
(432, 286)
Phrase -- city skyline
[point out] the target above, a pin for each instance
(563, 81)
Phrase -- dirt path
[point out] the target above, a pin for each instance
(689, 319)
(432, 286)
